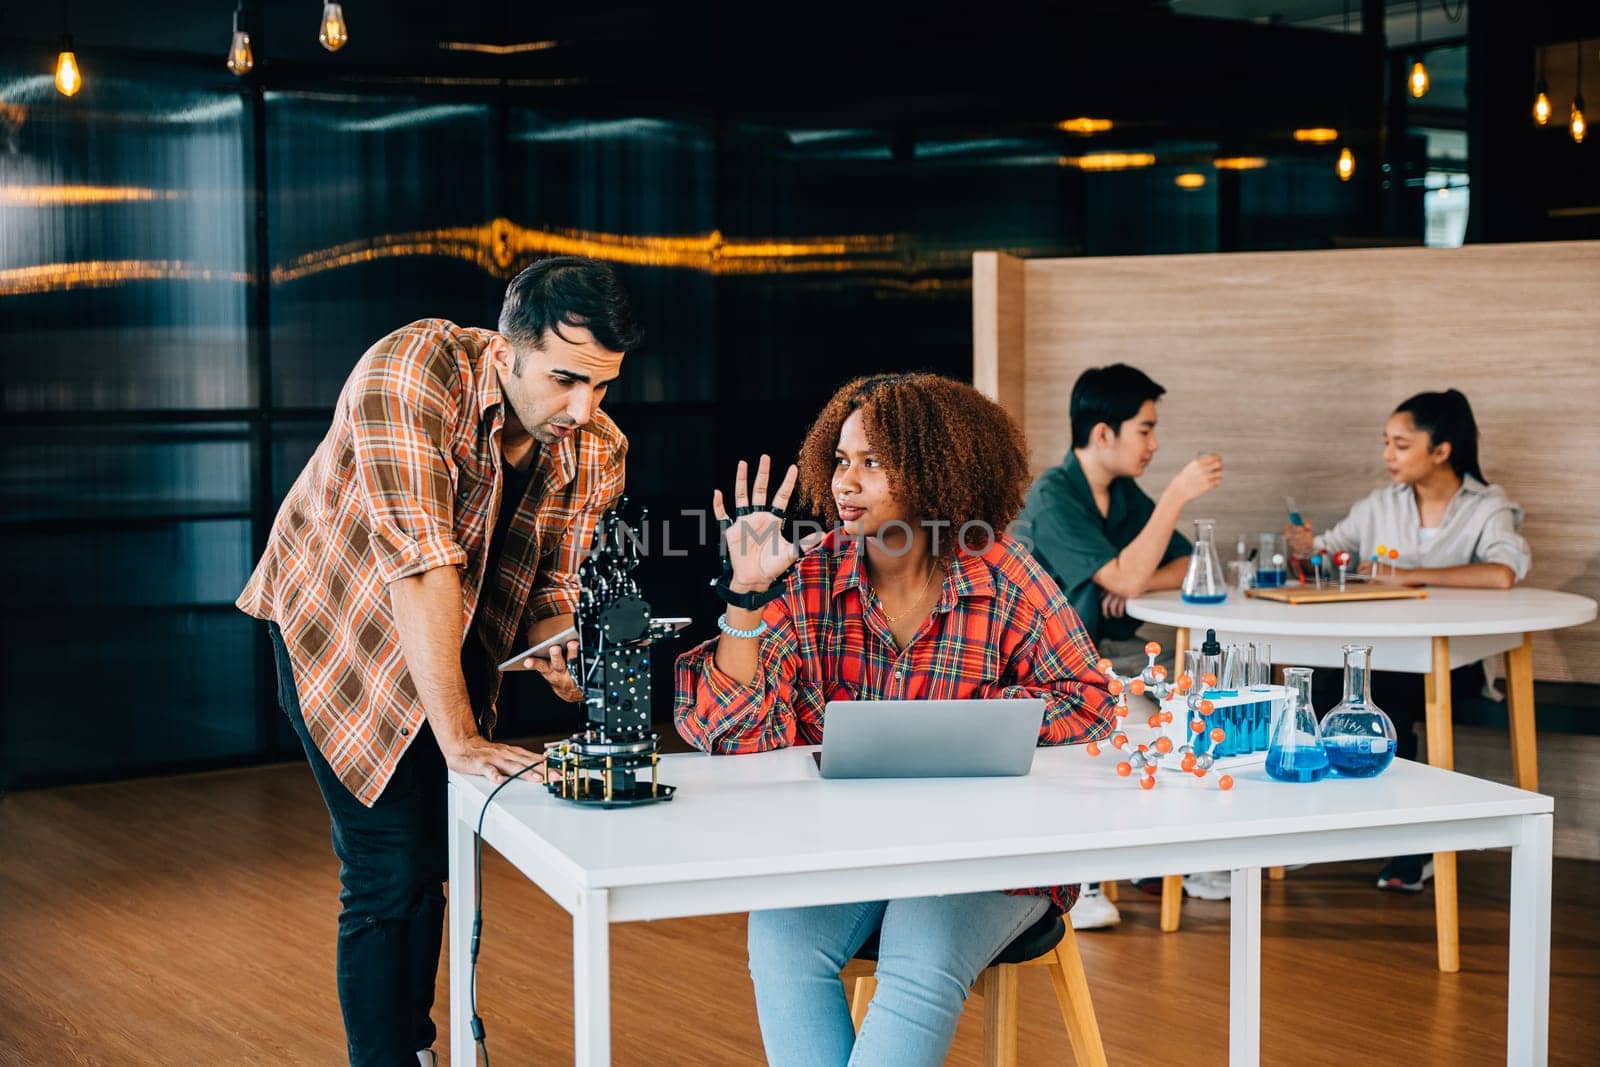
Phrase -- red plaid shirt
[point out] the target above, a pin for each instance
(407, 480)
(1001, 629)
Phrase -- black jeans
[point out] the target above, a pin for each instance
(393, 866)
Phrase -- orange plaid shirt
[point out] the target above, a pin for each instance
(409, 479)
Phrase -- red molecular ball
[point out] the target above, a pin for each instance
(1206, 707)
(1124, 769)
(1093, 748)
(1118, 740)
(1199, 772)
(1151, 648)
(1147, 783)
(1218, 734)
(1152, 722)
(1163, 744)
(1225, 782)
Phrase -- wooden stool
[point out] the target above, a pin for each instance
(1047, 943)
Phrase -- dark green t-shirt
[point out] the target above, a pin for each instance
(1072, 541)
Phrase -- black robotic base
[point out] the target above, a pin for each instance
(606, 772)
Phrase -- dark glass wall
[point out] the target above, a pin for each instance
(190, 266)
(125, 457)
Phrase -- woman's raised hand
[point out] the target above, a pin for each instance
(757, 549)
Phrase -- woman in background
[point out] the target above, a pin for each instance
(1450, 528)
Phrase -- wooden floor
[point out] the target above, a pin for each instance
(191, 921)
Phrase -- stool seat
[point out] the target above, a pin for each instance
(1038, 939)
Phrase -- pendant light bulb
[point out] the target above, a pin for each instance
(69, 79)
(241, 57)
(334, 33)
(1347, 163)
(1418, 80)
(1541, 107)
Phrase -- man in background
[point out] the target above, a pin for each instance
(1105, 542)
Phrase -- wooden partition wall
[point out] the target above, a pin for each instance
(1287, 363)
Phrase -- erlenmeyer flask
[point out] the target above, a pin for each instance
(1294, 752)
(1358, 737)
(1204, 582)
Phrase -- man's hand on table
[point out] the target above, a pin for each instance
(491, 760)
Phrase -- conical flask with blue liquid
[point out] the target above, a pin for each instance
(1294, 748)
(1203, 583)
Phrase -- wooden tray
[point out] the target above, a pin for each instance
(1310, 594)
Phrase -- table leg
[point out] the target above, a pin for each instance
(463, 891)
(1528, 983)
(1519, 703)
(1171, 902)
(591, 980)
(1172, 884)
(1441, 753)
(1244, 968)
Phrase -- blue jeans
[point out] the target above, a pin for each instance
(931, 950)
(393, 863)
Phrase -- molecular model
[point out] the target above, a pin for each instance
(1148, 758)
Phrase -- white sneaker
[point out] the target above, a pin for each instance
(1208, 885)
(1093, 911)
(427, 1059)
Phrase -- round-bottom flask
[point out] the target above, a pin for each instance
(1356, 734)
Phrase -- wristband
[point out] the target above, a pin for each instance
(733, 631)
(748, 601)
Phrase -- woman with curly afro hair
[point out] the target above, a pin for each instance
(916, 593)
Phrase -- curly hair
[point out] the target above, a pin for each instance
(950, 454)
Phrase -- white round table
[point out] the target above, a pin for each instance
(1447, 629)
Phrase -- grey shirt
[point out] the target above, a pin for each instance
(1480, 525)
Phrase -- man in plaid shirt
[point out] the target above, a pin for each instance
(438, 527)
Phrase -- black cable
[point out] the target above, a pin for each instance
(477, 913)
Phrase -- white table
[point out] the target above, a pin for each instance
(1431, 637)
(764, 831)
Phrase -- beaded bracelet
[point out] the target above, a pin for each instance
(733, 631)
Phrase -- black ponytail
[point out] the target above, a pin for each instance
(1447, 417)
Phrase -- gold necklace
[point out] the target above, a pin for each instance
(920, 594)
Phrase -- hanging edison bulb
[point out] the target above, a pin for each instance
(1418, 81)
(1577, 125)
(334, 33)
(69, 79)
(1347, 163)
(241, 57)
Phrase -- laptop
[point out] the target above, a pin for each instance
(929, 738)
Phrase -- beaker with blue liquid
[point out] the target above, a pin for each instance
(1357, 735)
(1204, 582)
(1295, 752)
(1272, 562)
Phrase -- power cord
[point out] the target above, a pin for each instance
(477, 912)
